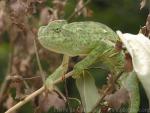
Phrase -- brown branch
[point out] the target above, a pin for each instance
(34, 94)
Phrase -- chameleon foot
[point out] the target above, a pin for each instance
(77, 71)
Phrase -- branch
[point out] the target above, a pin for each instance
(34, 94)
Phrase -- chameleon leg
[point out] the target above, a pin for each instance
(88, 60)
(60, 71)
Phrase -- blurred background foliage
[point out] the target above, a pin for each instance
(124, 15)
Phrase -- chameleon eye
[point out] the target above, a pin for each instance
(57, 30)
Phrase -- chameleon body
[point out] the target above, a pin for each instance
(91, 39)
(94, 40)
(77, 38)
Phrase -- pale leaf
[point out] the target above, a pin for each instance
(139, 48)
(88, 91)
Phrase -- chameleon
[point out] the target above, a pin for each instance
(93, 40)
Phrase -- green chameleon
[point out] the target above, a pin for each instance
(93, 40)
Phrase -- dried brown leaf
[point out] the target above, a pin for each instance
(52, 99)
(117, 99)
(18, 8)
(118, 46)
(128, 62)
(10, 103)
(89, 12)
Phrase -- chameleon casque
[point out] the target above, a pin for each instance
(93, 40)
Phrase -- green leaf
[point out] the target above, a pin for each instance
(139, 48)
(88, 91)
(130, 82)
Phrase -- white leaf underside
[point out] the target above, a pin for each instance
(139, 48)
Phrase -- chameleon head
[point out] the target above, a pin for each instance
(50, 34)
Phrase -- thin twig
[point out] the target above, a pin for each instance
(60, 93)
(34, 94)
(66, 92)
(105, 93)
(75, 12)
(38, 61)
(31, 78)
(15, 77)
